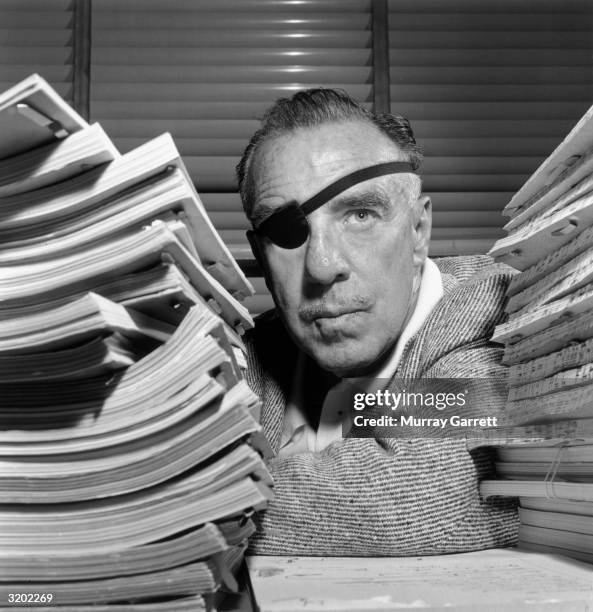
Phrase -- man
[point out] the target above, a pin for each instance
(341, 230)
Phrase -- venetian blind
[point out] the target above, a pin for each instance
(490, 88)
(37, 36)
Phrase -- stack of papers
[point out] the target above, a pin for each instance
(131, 455)
(548, 340)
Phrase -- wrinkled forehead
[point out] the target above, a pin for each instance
(296, 165)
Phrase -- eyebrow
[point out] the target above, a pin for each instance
(368, 199)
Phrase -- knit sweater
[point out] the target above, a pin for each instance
(390, 496)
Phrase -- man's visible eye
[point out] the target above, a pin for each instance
(361, 217)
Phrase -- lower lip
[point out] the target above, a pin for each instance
(340, 323)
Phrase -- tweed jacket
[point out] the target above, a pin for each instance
(366, 496)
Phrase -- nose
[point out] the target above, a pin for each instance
(325, 258)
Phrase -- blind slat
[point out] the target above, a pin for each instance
(36, 37)
(63, 89)
(545, 92)
(286, 7)
(231, 38)
(229, 74)
(488, 21)
(143, 92)
(233, 110)
(418, 110)
(204, 92)
(476, 128)
(50, 72)
(194, 147)
(264, 91)
(470, 201)
(490, 57)
(474, 182)
(204, 21)
(486, 110)
(505, 75)
(252, 56)
(458, 39)
(41, 19)
(33, 6)
(347, 74)
(525, 146)
(40, 56)
(421, 7)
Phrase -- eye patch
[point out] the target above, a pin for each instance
(288, 227)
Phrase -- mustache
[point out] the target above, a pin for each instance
(333, 308)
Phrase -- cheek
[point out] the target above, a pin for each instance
(393, 274)
(389, 252)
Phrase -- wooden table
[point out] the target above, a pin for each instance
(500, 579)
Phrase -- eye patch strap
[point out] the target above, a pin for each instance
(331, 191)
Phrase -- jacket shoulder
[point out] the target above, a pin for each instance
(464, 268)
(465, 318)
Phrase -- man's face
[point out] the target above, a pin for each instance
(346, 293)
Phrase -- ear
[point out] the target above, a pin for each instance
(422, 228)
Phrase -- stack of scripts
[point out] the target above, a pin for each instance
(549, 347)
(130, 449)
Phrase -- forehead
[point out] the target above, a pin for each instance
(297, 165)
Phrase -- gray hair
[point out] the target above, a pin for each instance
(313, 107)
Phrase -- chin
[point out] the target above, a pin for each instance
(345, 363)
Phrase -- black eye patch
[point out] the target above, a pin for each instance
(288, 227)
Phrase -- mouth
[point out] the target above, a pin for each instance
(335, 314)
(337, 326)
(314, 315)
